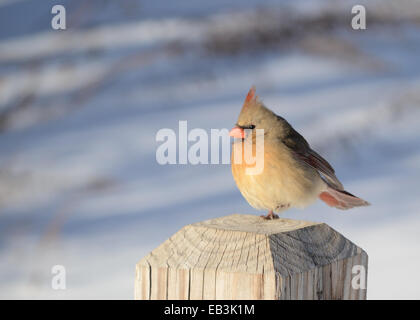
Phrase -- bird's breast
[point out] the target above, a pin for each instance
(283, 180)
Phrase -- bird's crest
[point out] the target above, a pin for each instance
(251, 94)
(251, 99)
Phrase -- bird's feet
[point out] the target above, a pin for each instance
(270, 216)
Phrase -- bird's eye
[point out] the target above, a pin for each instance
(249, 127)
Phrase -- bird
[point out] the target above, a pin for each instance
(293, 174)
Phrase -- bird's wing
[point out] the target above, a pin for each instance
(300, 147)
(316, 161)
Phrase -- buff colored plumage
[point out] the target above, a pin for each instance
(293, 175)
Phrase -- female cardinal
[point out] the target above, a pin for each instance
(293, 174)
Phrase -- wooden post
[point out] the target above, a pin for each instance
(247, 257)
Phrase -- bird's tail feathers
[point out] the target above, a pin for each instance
(341, 199)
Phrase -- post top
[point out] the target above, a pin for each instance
(250, 244)
(247, 257)
(254, 224)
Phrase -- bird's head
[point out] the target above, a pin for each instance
(254, 115)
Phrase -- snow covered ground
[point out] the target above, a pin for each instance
(80, 109)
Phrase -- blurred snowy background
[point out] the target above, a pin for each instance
(80, 108)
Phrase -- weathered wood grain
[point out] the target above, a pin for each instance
(247, 257)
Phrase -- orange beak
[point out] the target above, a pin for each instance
(237, 132)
